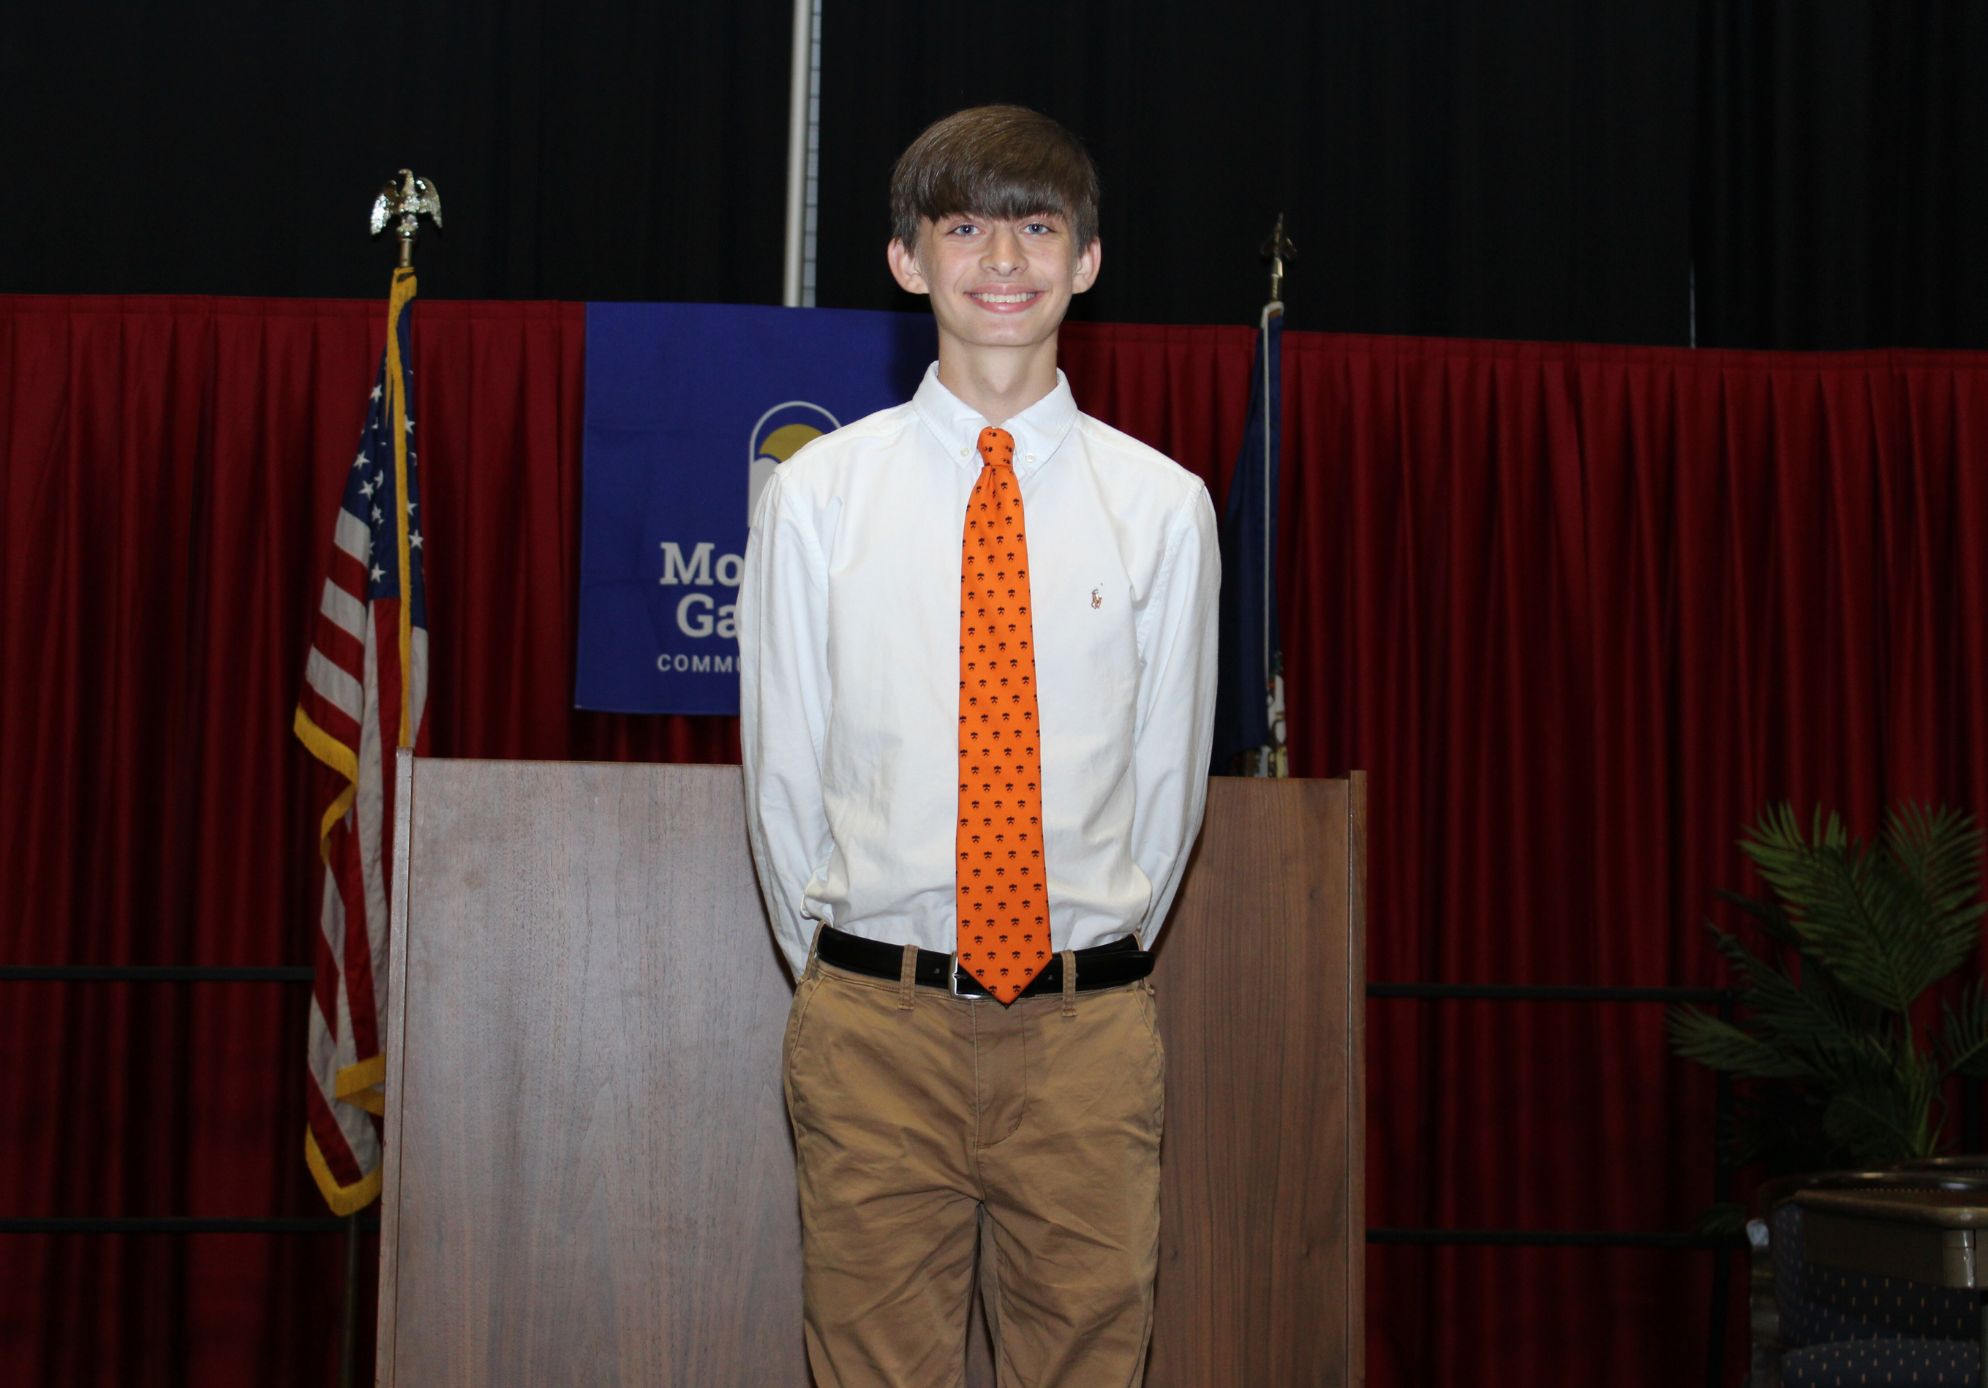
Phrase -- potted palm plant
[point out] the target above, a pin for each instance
(1839, 1054)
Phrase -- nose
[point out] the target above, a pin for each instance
(1002, 252)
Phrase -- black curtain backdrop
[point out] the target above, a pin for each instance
(593, 150)
(1503, 170)
(1839, 197)
(1543, 169)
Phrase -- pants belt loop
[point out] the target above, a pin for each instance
(1069, 983)
(814, 943)
(907, 978)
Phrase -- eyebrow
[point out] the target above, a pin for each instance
(1039, 215)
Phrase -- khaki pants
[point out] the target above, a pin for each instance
(925, 1124)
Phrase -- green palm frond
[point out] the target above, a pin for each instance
(1863, 913)
(1800, 1012)
(1766, 915)
(1939, 851)
(1886, 1118)
(1700, 1036)
(1964, 1037)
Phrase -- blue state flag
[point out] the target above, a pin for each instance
(1249, 699)
(690, 407)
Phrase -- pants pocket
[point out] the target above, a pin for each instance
(797, 1016)
(1149, 1009)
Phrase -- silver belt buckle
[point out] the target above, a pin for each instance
(952, 972)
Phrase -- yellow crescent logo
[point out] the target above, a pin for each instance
(784, 442)
(779, 434)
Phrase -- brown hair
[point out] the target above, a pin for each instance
(994, 161)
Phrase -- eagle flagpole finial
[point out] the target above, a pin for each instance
(407, 197)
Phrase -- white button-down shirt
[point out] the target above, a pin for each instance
(849, 666)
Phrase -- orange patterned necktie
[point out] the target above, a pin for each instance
(1002, 895)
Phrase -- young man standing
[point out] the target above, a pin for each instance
(977, 642)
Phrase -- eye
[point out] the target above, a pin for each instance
(1039, 229)
(963, 229)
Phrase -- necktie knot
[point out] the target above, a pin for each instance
(997, 446)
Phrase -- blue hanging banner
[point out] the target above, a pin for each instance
(689, 409)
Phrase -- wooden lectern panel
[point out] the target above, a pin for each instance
(589, 1178)
(1261, 987)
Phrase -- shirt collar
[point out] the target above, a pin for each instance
(1039, 430)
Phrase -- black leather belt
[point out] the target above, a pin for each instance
(1101, 966)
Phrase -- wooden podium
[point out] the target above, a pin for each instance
(589, 1178)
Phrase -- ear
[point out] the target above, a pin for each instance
(904, 268)
(1084, 273)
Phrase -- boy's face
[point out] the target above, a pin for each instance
(996, 283)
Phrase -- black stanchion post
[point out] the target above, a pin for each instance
(349, 1340)
(1722, 1191)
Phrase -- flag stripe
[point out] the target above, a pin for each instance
(336, 729)
(344, 611)
(331, 928)
(334, 685)
(331, 1140)
(352, 537)
(344, 650)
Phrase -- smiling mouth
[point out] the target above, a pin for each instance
(1021, 297)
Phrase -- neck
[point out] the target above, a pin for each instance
(1000, 385)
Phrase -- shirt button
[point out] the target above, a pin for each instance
(1029, 459)
(966, 453)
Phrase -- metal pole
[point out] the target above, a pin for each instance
(1269, 579)
(1691, 304)
(800, 100)
(1274, 758)
(1722, 1189)
(349, 1339)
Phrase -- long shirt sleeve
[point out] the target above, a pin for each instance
(1173, 732)
(783, 699)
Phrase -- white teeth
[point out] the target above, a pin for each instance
(1004, 298)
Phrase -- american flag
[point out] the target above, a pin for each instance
(365, 689)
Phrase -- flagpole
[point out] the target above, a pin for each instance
(402, 203)
(1277, 250)
(797, 280)
(1275, 757)
(348, 1339)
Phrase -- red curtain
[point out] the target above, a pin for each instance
(1579, 611)
(1582, 611)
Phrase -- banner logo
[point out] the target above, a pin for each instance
(777, 437)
